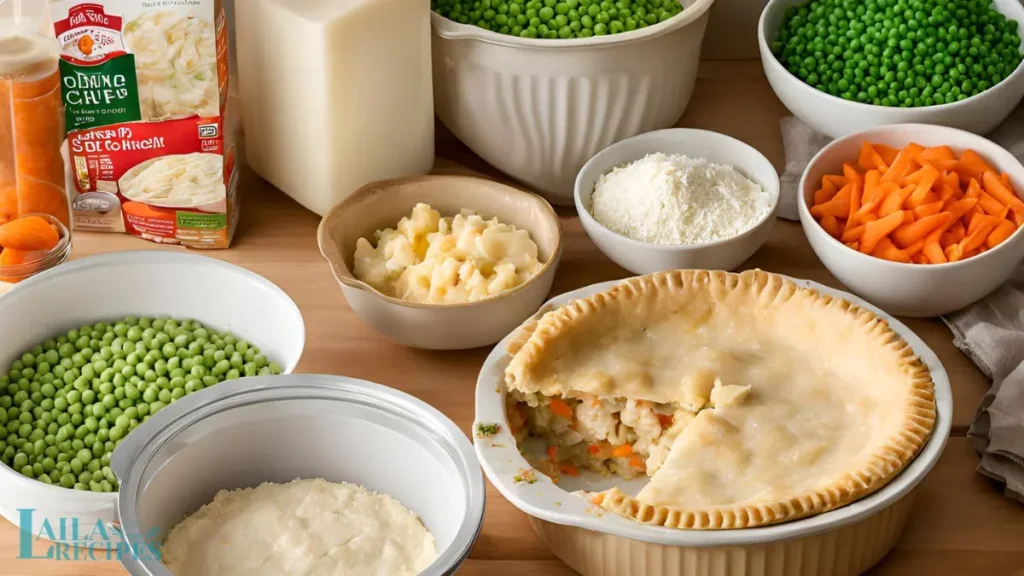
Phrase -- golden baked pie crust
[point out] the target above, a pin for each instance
(540, 338)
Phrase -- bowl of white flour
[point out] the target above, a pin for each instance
(678, 199)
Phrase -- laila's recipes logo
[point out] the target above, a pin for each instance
(68, 539)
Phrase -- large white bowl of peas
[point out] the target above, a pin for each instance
(537, 87)
(846, 65)
(90, 350)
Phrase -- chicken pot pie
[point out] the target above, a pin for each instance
(747, 400)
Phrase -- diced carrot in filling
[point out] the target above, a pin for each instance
(665, 420)
(553, 453)
(569, 470)
(560, 408)
(624, 451)
(637, 462)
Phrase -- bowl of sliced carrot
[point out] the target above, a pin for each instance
(31, 244)
(920, 220)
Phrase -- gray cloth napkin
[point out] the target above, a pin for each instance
(990, 332)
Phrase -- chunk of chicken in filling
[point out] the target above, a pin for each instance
(607, 435)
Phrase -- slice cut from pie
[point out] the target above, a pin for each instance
(747, 399)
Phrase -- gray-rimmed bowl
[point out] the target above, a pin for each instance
(276, 429)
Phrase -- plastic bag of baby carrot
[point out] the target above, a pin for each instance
(31, 117)
(145, 92)
(921, 205)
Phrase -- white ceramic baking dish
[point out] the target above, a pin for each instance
(277, 429)
(144, 283)
(594, 542)
(538, 109)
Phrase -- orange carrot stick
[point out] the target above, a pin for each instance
(856, 192)
(852, 234)
(887, 250)
(895, 200)
(925, 181)
(976, 239)
(37, 130)
(870, 159)
(900, 167)
(953, 253)
(938, 153)
(929, 209)
(907, 234)
(827, 191)
(871, 179)
(991, 206)
(838, 206)
(852, 175)
(998, 190)
(831, 225)
(973, 189)
(888, 153)
(972, 165)
(1004, 230)
(970, 214)
(875, 231)
(837, 181)
(933, 250)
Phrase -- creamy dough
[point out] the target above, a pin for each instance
(303, 528)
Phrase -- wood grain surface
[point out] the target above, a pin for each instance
(961, 525)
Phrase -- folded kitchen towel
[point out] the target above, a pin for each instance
(990, 332)
(801, 143)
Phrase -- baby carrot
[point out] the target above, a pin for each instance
(29, 234)
(875, 231)
(918, 205)
(1004, 230)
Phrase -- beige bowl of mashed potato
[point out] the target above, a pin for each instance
(442, 262)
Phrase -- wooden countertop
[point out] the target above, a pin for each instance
(960, 525)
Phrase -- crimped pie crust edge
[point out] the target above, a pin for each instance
(888, 459)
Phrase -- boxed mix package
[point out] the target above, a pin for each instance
(149, 147)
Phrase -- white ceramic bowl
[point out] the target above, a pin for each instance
(837, 117)
(243, 433)
(144, 283)
(843, 542)
(645, 257)
(381, 205)
(538, 109)
(915, 290)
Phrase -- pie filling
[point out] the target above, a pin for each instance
(746, 400)
(606, 435)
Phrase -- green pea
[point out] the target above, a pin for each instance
(66, 403)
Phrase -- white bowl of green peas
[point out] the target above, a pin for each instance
(93, 348)
(842, 71)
